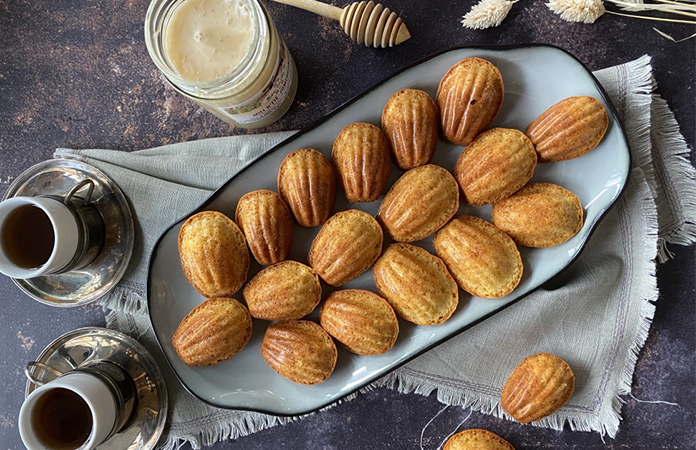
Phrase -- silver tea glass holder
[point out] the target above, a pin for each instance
(107, 223)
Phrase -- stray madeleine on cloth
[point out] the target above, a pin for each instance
(537, 387)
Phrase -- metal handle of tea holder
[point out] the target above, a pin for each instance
(30, 372)
(75, 189)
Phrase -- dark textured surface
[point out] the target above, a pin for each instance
(75, 73)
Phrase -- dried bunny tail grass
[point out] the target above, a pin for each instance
(487, 14)
(586, 11)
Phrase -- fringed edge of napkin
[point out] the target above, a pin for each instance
(674, 155)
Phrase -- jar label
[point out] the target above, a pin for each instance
(270, 97)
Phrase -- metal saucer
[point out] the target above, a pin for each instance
(55, 178)
(83, 345)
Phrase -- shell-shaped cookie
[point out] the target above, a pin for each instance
(346, 246)
(360, 320)
(265, 220)
(477, 439)
(300, 351)
(538, 386)
(416, 284)
(361, 157)
(494, 166)
(469, 97)
(214, 331)
(287, 290)
(213, 253)
(568, 129)
(482, 259)
(307, 183)
(410, 122)
(419, 203)
(539, 215)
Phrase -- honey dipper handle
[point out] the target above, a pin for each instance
(323, 9)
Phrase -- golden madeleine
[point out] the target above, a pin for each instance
(477, 439)
(416, 284)
(214, 331)
(213, 253)
(346, 246)
(410, 123)
(307, 183)
(287, 290)
(419, 203)
(482, 259)
(539, 215)
(537, 387)
(361, 157)
(265, 220)
(360, 320)
(568, 129)
(494, 166)
(300, 351)
(469, 97)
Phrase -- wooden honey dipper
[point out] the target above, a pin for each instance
(365, 22)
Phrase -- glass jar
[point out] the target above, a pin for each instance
(256, 93)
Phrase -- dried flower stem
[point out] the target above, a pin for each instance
(628, 6)
(678, 4)
(659, 19)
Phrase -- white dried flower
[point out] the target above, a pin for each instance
(486, 14)
(586, 11)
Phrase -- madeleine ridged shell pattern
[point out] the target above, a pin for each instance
(539, 215)
(538, 386)
(416, 284)
(300, 351)
(469, 97)
(265, 220)
(307, 183)
(213, 253)
(494, 166)
(568, 129)
(287, 290)
(360, 320)
(346, 246)
(482, 259)
(361, 157)
(214, 331)
(419, 203)
(410, 123)
(477, 439)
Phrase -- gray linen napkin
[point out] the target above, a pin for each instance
(596, 317)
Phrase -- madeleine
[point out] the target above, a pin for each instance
(213, 253)
(419, 203)
(361, 157)
(307, 183)
(265, 220)
(346, 246)
(469, 97)
(482, 259)
(410, 122)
